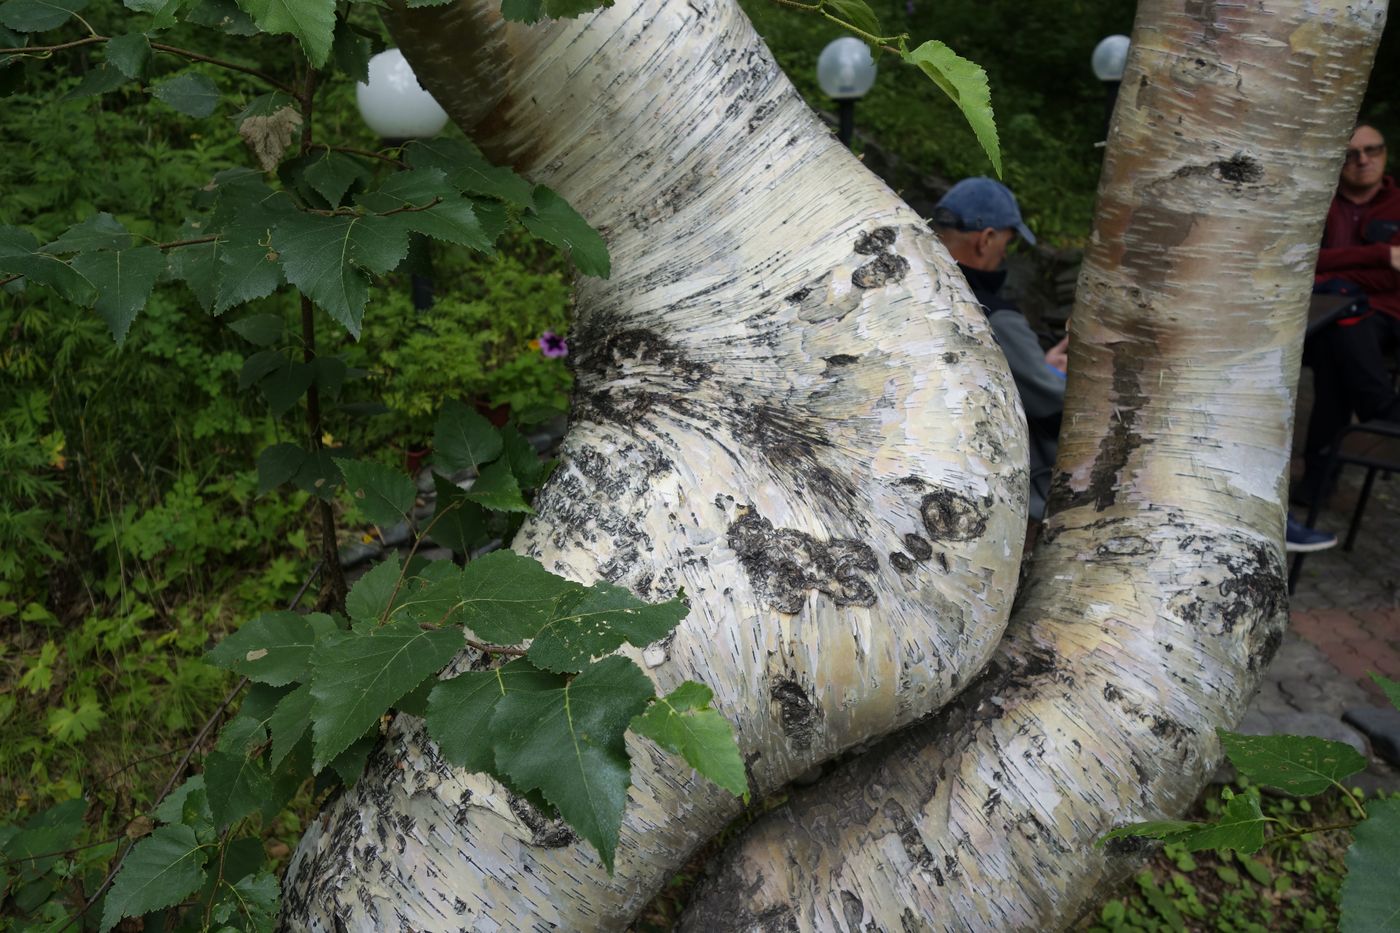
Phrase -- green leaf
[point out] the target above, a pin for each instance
(68, 724)
(289, 722)
(312, 22)
(190, 93)
(507, 598)
(966, 83)
(350, 764)
(223, 15)
(162, 870)
(38, 15)
(331, 174)
(1373, 871)
(463, 439)
(258, 366)
(19, 255)
(328, 374)
(320, 256)
(530, 471)
(857, 13)
(467, 169)
(683, 722)
(531, 11)
(254, 900)
(100, 231)
(568, 743)
(197, 265)
(596, 622)
(451, 219)
(97, 81)
(124, 280)
(246, 271)
(384, 494)
(272, 648)
(188, 804)
(460, 710)
(1240, 827)
(1390, 687)
(285, 385)
(457, 523)
(496, 489)
(235, 777)
(261, 330)
(129, 53)
(350, 52)
(358, 675)
(48, 831)
(522, 11)
(369, 599)
(551, 219)
(1300, 765)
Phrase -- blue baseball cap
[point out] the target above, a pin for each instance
(979, 203)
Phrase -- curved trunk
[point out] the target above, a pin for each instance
(1156, 595)
(787, 404)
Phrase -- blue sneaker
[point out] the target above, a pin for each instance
(1300, 539)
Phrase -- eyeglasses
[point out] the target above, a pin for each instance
(1371, 152)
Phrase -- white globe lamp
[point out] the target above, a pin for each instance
(1110, 57)
(845, 72)
(394, 104)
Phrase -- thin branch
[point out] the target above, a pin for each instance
(43, 50)
(231, 66)
(61, 852)
(368, 154)
(495, 649)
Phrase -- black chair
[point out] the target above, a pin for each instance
(1374, 445)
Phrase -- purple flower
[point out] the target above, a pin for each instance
(552, 345)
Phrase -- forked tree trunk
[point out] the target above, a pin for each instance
(787, 404)
(1156, 595)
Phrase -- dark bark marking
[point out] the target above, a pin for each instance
(951, 357)
(669, 376)
(841, 359)
(909, 838)
(852, 909)
(1239, 170)
(901, 562)
(884, 269)
(918, 547)
(952, 516)
(876, 241)
(782, 564)
(1126, 546)
(544, 832)
(1116, 447)
(799, 296)
(797, 714)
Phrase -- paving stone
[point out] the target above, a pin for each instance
(1381, 724)
(1320, 725)
(358, 552)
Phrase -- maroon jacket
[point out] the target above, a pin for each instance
(1356, 243)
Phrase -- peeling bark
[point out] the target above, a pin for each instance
(1156, 594)
(762, 416)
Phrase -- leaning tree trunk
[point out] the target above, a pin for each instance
(1156, 595)
(787, 404)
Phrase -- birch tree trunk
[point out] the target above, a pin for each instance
(1156, 595)
(787, 403)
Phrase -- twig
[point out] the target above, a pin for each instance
(495, 649)
(45, 50)
(350, 150)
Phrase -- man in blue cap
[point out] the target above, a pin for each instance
(977, 220)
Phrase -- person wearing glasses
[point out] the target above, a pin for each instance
(977, 220)
(1360, 256)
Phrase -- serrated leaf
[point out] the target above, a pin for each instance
(312, 22)
(1152, 829)
(285, 385)
(318, 475)
(272, 648)
(190, 92)
(507, 598)
(246, 272)
(358, 675)
(323, 255)
(460, 710)
(98, 232)
(20, 255)
(331, 174)
(350, 52)
(551, 219)
(129, 53)
(522, 11)
(258, 366)
(350, 764)
(384, 494)
(1240, 827)
(223, 15)
(254, 900)
(73, 724)
(289, 722)
(1300, 765)
(857, 13)
(97, 81)
(190, 796)
(463, 439)
(427, 204)
(496, 489)
(197, 265)
(328, 374)
(966, 83)
(163, 12)
(467, 169)
(124, 279)
(235, 777)
(530, 471)
(568, 743)
(1373, 871)
(683, 722)
(369, 600)
(161, 870)
(457, 523)
(38, 15)
(261, 330)
(596, 622)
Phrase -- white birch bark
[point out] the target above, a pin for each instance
(1156, 595)
(787, 404)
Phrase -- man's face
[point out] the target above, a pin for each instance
(1365, 162)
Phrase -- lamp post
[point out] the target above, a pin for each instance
(1108, 61)
(394, 105)
(845, 72)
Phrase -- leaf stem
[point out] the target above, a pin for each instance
(495, 649)
(368, 154)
